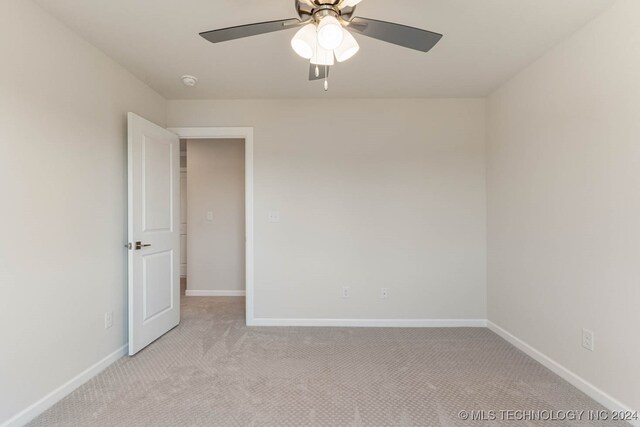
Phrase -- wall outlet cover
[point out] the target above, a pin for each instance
(108, 319)
(587, 339)
(346, 292)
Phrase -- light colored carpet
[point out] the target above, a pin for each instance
(212, 370)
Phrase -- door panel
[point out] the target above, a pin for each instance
(157, 284)
(154, 215)
(157, 189)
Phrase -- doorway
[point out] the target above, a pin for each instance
(217, 214)
(213, 217)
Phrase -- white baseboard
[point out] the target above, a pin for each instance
(37, 408)
(196, 293)
(578, 382)
(373, 323)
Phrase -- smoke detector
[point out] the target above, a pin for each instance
(188, 80)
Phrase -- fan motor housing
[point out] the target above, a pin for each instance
(322, 8)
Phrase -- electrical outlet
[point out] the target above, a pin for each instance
(384, 293)
(587, 339)
(108, 319)
(346, 292)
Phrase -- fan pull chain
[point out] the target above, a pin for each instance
(326, 79)
(317, 71)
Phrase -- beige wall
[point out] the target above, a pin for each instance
(63, 111)
(564, 203)
(371, 194)
(216, 249)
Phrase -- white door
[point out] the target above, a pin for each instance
(154, 232)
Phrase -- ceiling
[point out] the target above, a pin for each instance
(485, 43)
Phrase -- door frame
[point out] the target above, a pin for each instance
(245, 133)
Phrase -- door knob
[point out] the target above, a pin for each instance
(139, 246)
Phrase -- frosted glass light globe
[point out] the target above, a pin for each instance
(330, 33)
(304, 42)
(348, 48)
(322, 57)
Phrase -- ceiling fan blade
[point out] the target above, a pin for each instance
(242, 31)
(349, 3)
(321, 72)
(401, 35)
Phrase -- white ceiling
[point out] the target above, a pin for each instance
(485, 43)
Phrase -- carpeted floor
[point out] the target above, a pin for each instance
(212, 370)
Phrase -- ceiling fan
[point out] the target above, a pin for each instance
(325, 35)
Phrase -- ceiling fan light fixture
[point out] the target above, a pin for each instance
(324, 33)
(304, 42)
(322, 57)
(348, 48)
(330, 33)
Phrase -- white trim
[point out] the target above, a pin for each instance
(245, 133)
(572, 378)
(64, 390)
(374, 323)
(196, 293)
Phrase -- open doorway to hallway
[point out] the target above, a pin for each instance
(213, 226)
